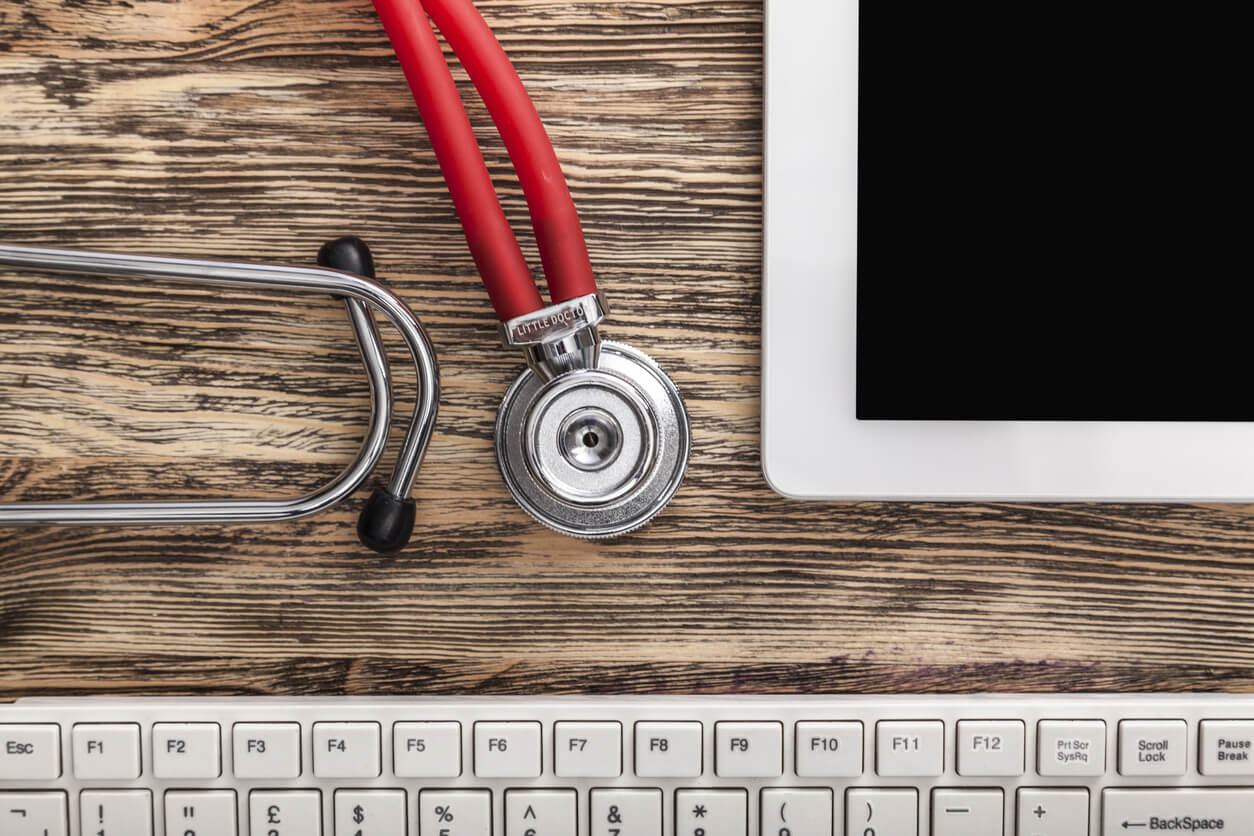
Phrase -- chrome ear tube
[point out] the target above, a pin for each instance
(387, 521)
(592, 437)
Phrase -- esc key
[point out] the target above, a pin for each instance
(30, 752)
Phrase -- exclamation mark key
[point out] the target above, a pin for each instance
(116, 812)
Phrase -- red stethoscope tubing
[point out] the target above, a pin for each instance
(492, 243)
(559, 235)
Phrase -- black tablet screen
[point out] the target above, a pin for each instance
(1054, 212)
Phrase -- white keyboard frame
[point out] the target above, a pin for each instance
(788, 710)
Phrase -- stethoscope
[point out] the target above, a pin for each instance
(592, 438)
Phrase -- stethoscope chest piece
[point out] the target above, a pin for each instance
(598, 451)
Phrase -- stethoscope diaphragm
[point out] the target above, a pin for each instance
(594, 452)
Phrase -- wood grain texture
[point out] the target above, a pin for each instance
(260, 128)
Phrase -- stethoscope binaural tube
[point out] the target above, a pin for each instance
(619, 449)
(387, 521)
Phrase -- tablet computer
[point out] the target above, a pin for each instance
(1003, 253)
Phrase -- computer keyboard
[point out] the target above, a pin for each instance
(629, 766)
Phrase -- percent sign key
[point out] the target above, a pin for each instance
(456, 812)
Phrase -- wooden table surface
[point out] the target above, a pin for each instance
(258, 129)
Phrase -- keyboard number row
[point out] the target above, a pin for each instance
(628, 812)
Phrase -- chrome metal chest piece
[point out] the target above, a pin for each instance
(592, 438)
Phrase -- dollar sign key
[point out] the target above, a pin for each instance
(359, 815)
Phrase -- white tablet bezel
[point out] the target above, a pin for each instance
(813, 447)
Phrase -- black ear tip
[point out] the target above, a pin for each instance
(348, 254)
(386, 522)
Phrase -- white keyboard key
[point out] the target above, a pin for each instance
(626, 812)
(507, 750)
(711, 813)
(346, 750)
(749, 750)
(106, 751)
(967, 812)
(455, 813)
(186, 750)
(800, 812)
(30, 752)
(116, 812)
(588, 750)
(1227, 747)
(266, 750)
(285, 812)
(882, 812)
(427, 750)
(910, 749)
(829, 750)
(1153, 747)
(1050, 812)
(540, 813)
(34, 814)
(370, 813)
(200, 813)
(1226, 811)
(1071, 748)
(990, 748)
(668, 750)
